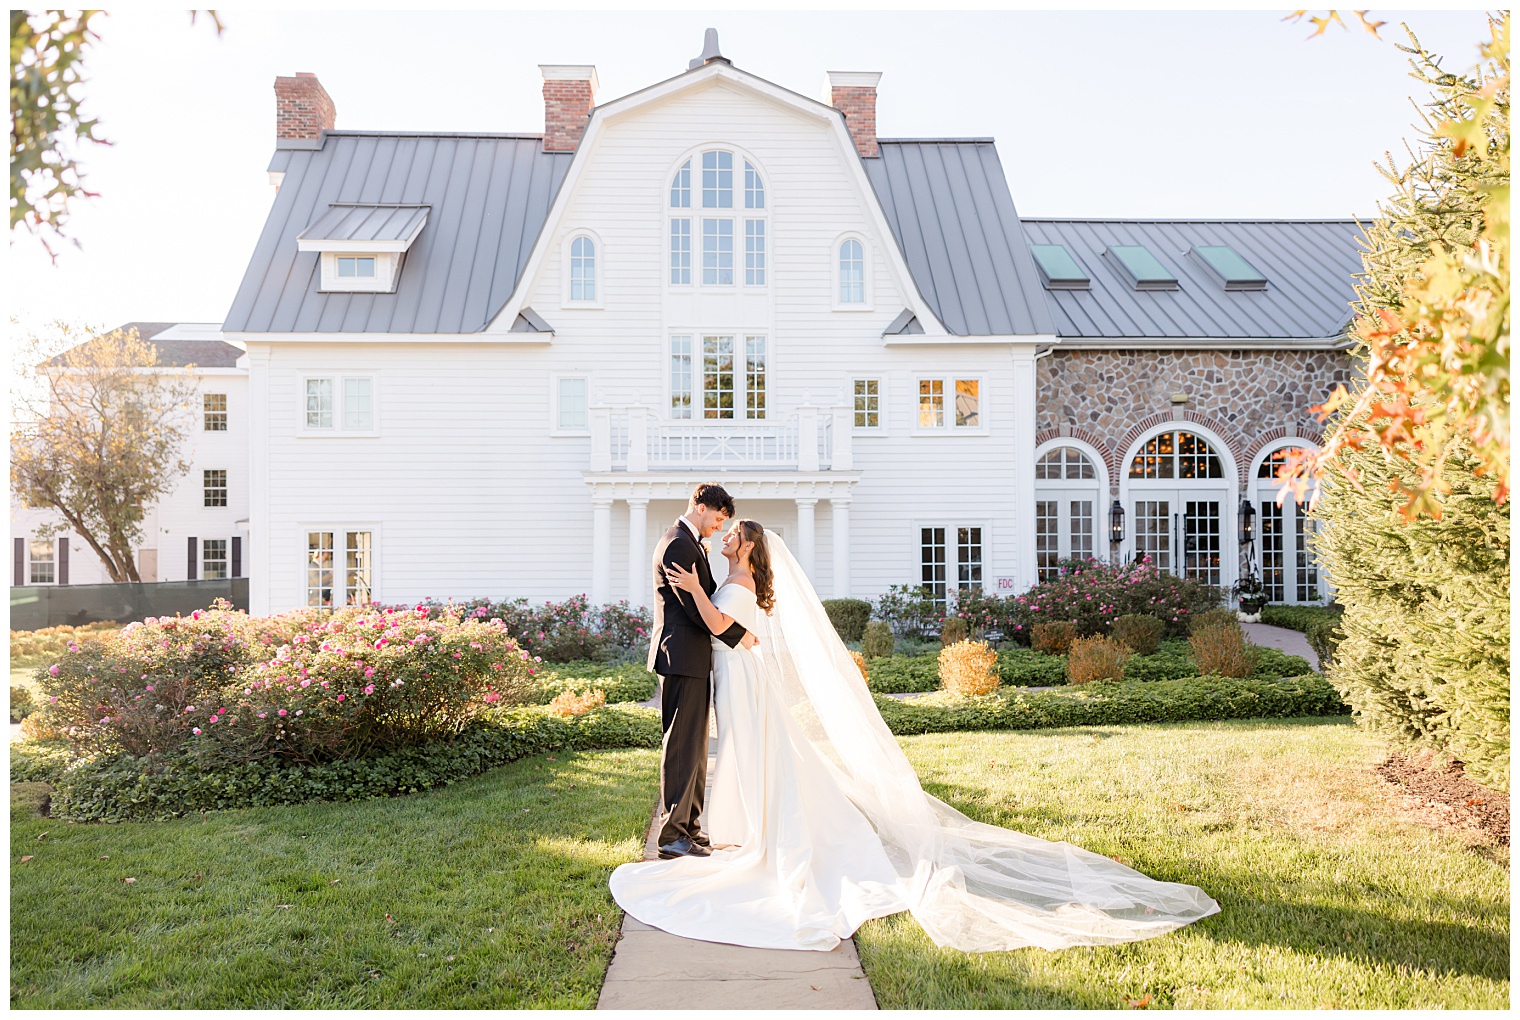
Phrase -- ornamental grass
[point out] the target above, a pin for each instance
(969, 668)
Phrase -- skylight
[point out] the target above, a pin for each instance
(1060, 270)
(1231, 269)
(1144, 269)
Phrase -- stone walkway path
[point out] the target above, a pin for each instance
(652, 969)
(1291, 641)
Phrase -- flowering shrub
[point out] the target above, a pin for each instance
(563, 631)
(1096, 658)
(1053, 638)
(969, 668)
(570, 703)
(1092, 597)
(345, 684)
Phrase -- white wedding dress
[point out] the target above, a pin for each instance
(831, 826)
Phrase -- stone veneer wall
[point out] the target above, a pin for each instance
(1248, 397)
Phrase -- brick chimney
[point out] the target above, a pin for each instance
(853, 93)
(569, 95)
(303, 109)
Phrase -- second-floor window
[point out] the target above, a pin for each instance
(582, 269)
(337, 404)
(718, 377)
(867, 403)
(215, 486)
(950, 404)
(214, 409)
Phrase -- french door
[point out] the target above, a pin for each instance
(1181, 531)
(1065, 526)
(1288, 568)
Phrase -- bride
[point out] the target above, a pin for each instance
(818, 822)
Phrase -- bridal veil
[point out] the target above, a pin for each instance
(972, 886)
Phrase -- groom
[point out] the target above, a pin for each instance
(680, 651)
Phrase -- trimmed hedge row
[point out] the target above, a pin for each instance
(628, 682)
(1021, 667)
(1301, 618)
(1196, 699)
(120, 787)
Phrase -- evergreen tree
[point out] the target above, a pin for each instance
(1418, 549)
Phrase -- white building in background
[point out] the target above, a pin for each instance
(200, 529)
(485, 364)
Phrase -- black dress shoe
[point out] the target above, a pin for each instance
(700, 839)
(682, 847)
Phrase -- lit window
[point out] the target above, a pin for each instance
(582, 269)
(360, 267)
(931, 403)
(852, 272)
(680, 251)
(572, 404)
(1176, 455)
(717, 180)
(214, 407)
(867, 403)
(1064, 463)
(213, 559)
(968, 404)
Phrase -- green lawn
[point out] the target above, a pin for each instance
(1329, 897)
(489, 894)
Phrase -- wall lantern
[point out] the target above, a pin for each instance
(1116, 523)
(1247, 522)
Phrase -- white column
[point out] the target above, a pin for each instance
(841, 547)
(1024, 394)
(805, 534)
(601, 550)
(639, 576)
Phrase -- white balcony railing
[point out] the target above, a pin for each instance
(808, 439)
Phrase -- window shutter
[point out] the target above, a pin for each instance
(63, 561)
(190, 572)
(237, 556)
(20, 573)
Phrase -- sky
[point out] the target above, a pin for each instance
(1111, 114)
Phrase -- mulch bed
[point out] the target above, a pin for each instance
(1449, 797)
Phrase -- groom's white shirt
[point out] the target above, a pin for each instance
(691, 528)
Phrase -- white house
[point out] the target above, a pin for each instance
(496, 364)
(199, 529)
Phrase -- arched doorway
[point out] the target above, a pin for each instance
(1070, 480)
(1289, 569)
(1177, 495)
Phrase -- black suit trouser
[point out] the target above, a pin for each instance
(683, 754)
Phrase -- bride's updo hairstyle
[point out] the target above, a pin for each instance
(759, 564)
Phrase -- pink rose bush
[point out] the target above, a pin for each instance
(302, 687)
(561, 631)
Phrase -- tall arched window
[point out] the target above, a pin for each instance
(1179, 494)
(719, 230)
(1289, 569)
(1066, 508)
(583, 269)
(852, 272)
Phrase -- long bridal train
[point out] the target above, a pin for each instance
(833, 828)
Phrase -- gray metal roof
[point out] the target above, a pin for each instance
(358, 222)
(489, 194)
(175, 353)
(949, 208)
(1310, 266)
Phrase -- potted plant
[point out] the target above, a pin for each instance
(1252, 595)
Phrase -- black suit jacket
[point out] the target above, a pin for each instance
(680, 643)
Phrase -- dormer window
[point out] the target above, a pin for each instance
(362, 246)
